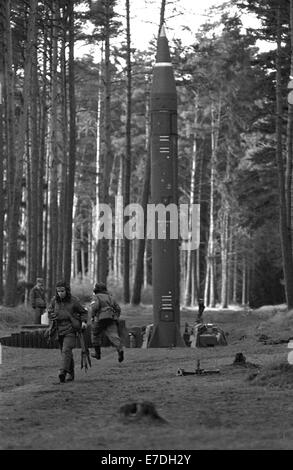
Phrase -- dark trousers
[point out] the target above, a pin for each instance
(38, 312)
(67, 343)
(109, 328)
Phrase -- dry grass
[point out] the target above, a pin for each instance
(11, 317)
(231, 410)
(279, 374)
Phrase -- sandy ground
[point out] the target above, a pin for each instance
(231, 410)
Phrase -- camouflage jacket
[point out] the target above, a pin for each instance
(64, 311)
(37, 297)
(104, 306)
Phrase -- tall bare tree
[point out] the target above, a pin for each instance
(2, 198)
(127, 162)
(284, 228)
(10, 117)
(42, 214)
(210, 274)
(194, 164)
(34, 166)
(14, 216)
(53, 165)
(289, 162)
(139, 268)
(62, 240)
(72, 146)
(107, 160)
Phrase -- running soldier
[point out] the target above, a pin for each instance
(105, 312)
(70, 317)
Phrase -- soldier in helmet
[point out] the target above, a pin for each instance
(105, 312)
(201, 308)
(38, 300)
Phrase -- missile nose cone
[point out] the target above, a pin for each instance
(163, 91)
(163, 53)
(162, 31)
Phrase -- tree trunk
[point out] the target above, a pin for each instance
(235, 274)
(2, 206)
(127, 166)
(98, 169)
(9, 112)
(224, 258)
(10, 122)
(141, 265)
(210, 276)
(289, 166)
(62, 239)
(34, 170)
(46, 225)
(2, 91)
(41, 243)
(229, 262)
(108, 157)
(118, 225)
(28, 208)
(139, 271)
(189, 254)
(285, 232)
(82, 251)
(13, 225)
(200, 265)
(243, 297)
(53, 198)
(72, 147)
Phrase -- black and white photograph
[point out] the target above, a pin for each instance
(146, 229)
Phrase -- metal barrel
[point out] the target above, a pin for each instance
(31, 340)
(15, 340)
(28, 339)
(6, 340)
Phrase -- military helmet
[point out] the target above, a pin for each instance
(100, 287)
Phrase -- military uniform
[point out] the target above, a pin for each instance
(38, 302)
(105, 312)
(68, 314)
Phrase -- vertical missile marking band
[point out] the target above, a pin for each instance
(166, 301)
(163, 64)
(163, 140)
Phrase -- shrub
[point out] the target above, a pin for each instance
(19, 315)
(82, 288)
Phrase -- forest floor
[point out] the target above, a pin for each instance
(243, 407)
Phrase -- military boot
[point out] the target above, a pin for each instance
(97, 353)
(61, 376)
(120, 356)
(70, 377)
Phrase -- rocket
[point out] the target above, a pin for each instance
(164, 192)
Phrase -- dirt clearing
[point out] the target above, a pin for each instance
(243, 407)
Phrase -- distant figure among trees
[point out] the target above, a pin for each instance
(38, 300)
(69, 317)
(105, 312)
(201, 307)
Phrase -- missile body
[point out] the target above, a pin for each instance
(165, 252)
